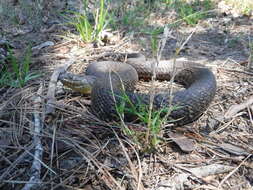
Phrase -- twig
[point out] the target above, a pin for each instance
(250, 61)
(15, 163)
(233, 171)
(137, 175)
(7, 102)
(236, 70)
(50, 109)
(200, 172)
(36, 165)
(109, 180)
(236, 108)
(154, 66)
(174, 70)
(250, 110)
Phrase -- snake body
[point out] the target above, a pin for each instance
(112, 82)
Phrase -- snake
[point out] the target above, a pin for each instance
(112, 88)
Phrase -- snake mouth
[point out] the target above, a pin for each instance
(78, 86)
(78, 83)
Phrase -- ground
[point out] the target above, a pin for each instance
(81, 152)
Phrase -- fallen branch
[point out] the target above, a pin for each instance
(50, 109)
(233, 171)
(236, 108)
(236, 70)
(178, 181)
(36, 165)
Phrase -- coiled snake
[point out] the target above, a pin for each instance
(110, 81)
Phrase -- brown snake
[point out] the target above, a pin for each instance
(106, 79)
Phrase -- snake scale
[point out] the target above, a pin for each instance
(110, 81)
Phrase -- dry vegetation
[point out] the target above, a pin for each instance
(48, 140)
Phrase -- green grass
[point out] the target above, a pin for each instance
(16, 73)
(154, 32)
(134, 18)
(90, 30)
(153, 120)
(192, 13)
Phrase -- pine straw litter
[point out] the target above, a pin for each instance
(50, 140)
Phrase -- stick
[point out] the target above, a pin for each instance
(236, 108)
(36, 165)
(50, 109)
(200, 172)
(233, 171)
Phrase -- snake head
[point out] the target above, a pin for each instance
(78, 83)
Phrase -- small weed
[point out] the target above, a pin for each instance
(154, 32)
(89, 31)
(134, 17)
(191, 13)
(131, 19)
(16, 74)
(141, 111)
